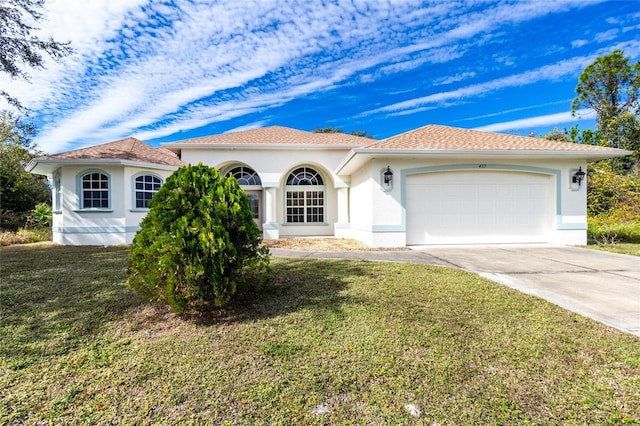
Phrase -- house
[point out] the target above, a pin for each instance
(432, 185)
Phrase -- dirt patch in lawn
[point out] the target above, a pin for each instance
(324, 244)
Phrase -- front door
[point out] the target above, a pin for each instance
(255, 202)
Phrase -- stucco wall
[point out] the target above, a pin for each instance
(73, 225)
(387, 225)
(363, 210)
(273, 167)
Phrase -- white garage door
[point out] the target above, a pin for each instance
(474, 207)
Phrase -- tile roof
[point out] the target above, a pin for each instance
(130, 149)
(444, 138)
(278, 135)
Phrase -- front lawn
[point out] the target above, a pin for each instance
(329, 342)
(621, 248)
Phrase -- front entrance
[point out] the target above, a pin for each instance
(255, 203)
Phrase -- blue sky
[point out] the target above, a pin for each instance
(166, 71)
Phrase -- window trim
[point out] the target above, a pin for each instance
(304, 188)
(80, 191)
(57, 192)
(134, 190)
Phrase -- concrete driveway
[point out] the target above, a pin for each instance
(601, 285)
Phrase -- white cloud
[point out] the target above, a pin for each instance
(455, 78)
(568, 67)
(547, 72)
(152, 69)
(250, 126)
(544, 120)
(606, 36)
(509, 111)
(579, 43)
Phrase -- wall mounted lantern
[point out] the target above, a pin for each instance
(578, 176)
(387, 179)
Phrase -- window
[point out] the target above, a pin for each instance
(304, 176)
(95, 191)
(305, 196)
(145, 187)
(245, 176)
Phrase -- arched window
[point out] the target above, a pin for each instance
(304, 196)
(304, 176)
(145, 187)
(94, 193)
(245, 176)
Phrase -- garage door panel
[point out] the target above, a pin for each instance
(478, 207)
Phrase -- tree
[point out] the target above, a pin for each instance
(198, 244)
(361, 133)
(575, 135)
(20, 191)
(19, 47)
(611, 87)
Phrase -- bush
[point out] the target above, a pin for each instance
(24, 236)
(604, 232)
(610, 193)
(10, 220)
(613, 205)
(39, 217)
(198, 244)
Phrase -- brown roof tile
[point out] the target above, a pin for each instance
(278, 135)
(130, 149)
(434, 137)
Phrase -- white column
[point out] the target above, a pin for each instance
(270, 227)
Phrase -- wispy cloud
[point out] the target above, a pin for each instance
(568, 67)
(548, 72)
(510, 111)
(540, 121)
(579, 43)
(152, 69)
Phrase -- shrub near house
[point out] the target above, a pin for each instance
(198, 244)
(613, 205)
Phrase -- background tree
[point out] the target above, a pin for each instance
(361, 133)
(575, 135)
(611, 87)
(20, 191)
(19, 47)
(198, 245)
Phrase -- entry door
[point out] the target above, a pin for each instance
(255, 202)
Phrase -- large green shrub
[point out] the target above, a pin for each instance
(198, 244)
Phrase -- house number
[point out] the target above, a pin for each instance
(482, 166)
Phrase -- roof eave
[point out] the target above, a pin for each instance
(357, 157)
(176, 146)
(44, 166)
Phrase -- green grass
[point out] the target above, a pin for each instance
(622, 248)
(360, 339)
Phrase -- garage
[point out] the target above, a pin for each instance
(479, 206)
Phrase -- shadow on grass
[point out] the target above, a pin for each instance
(294, 285)
(54, 298)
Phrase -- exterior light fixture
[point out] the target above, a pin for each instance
(578, 176)
(387, 179)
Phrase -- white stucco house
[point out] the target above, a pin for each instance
(432, 185)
